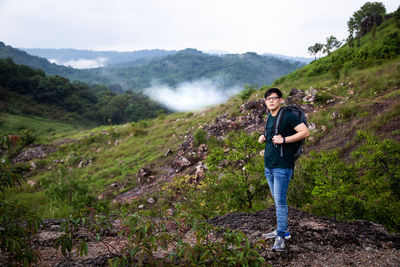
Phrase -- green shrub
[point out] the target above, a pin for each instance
(27, 137)
(16, 239)
(368, 188)
(199, 137)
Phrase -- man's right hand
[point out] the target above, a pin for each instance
(261, 139)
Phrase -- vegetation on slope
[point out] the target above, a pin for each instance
(356, 178)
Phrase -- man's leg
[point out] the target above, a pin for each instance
(270, 179)
(281, 184)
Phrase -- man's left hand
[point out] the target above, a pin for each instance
(277, 139)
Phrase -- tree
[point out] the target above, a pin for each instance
(331, 43)
(315, 49)
(366, 11)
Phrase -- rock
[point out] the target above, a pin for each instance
(200, 170)
(144, 172)
(33, 166)
(295, 97)
(151, 201)
(150, 179)
(181, 163)
(202, 151)
(335, 115)
(169, 152)
(113, 185)
(33, 152)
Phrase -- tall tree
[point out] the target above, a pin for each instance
(331, 43)
(366, 11)
(315, 49)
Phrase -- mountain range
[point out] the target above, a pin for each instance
(139, 70)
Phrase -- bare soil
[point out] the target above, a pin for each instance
(316, 241)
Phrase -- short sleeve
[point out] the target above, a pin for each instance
(292, 120)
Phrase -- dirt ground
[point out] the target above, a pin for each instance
(319, 241)
(316, 241)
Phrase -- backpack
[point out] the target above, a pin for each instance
(298, 112)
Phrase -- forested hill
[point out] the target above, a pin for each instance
(183, 66)
(28, 91)
(191, 64)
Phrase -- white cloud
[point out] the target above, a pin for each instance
(190, 96)
(82, 63)
(285, 27)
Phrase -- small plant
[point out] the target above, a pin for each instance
(199, 137)
(16, 242)
(246, 92)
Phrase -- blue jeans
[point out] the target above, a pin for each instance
(278, 181)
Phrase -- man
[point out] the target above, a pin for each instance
(278, 167)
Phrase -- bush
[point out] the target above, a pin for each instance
(368, 188)
(16, 242)
(27, 137)
(199, 137)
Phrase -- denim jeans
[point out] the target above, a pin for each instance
(278, 181)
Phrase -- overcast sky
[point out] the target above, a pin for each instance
(285, 27)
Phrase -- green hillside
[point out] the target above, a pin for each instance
(350, 169)
(144, 144)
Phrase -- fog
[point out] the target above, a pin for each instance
(82, 63)
(190, 96)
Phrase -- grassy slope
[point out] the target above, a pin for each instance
(145, 145)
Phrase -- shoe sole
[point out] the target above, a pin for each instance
(270, 237)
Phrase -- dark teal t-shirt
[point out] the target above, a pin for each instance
(272, 157)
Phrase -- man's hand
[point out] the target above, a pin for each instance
(277, 139)
(261, 139)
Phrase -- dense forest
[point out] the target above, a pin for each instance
(25, 90)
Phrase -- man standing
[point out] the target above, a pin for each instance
(279, 166)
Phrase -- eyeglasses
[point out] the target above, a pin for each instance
(273, 98)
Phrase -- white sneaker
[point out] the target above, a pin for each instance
(279, 244)
(273, 235)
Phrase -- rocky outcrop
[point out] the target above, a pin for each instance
(33, 152)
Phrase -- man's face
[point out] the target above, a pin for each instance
(273, 101)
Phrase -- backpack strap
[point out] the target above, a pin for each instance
(277, 124)
(265, 128)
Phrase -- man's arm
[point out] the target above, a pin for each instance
(302, 132)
